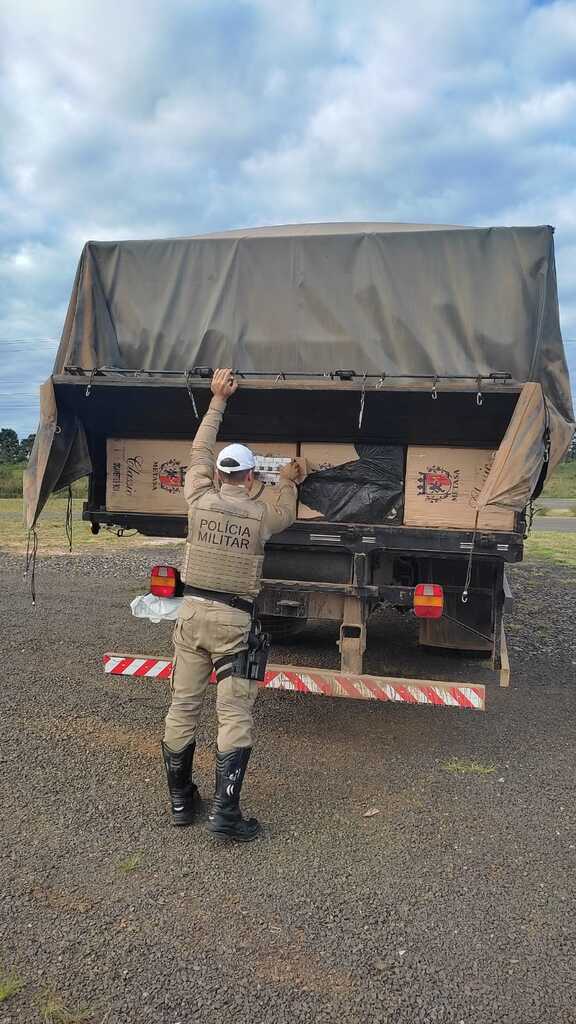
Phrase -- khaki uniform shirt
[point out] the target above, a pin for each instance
(227, 530)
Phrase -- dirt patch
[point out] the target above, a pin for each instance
(303, 970)
(60, 900)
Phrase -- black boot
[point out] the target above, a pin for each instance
(183, 793)
(225, 820)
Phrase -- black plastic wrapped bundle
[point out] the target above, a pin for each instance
(368, 490)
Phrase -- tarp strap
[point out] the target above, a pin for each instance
(466, 590)
(529, 519)
(93, 373)
(362, 400)
(191, 394)
(69, 518)
(31, 552)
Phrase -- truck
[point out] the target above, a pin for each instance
(419, 369)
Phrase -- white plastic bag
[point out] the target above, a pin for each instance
(157, 609)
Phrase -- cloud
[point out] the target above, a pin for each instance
(142, 119)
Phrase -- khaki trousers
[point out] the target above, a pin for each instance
(204, 632)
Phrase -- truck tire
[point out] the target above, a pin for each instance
(282, 627)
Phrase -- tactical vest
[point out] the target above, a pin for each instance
(224, 550)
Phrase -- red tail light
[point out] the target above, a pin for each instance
(163, 580)
(428, 601)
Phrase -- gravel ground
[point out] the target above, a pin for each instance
(454, 903)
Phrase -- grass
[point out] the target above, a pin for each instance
(562, 483)
(52, 534)
(54, 1011)
(130, 863)
(460, 767)
(551, 547)
(10, 985)
(11, 479)
(11, 482)
(557, 513)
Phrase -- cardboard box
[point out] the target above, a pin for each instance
(327, 456)
(148, 476)
(324, 456)
(441, 488)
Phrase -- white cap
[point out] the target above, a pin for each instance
(235, 457)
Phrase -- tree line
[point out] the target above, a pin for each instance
(14, 449)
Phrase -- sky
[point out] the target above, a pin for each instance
(146, 119)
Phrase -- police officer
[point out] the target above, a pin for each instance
(227, 531)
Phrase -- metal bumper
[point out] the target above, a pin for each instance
(325, 683)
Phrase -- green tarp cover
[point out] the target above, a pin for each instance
(398, 299)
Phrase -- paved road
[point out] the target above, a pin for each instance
(555, 524)
(454, 903)
(556, 502)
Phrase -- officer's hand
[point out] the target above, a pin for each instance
(223, 383)
(296, 471)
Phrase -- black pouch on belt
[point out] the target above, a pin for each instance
(248, 664)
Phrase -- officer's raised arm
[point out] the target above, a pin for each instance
(200, 475)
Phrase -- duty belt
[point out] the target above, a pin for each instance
(218, 595)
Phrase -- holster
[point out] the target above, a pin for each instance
(250, 663)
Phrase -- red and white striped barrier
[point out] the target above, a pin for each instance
(324, 682)
(150, 668)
